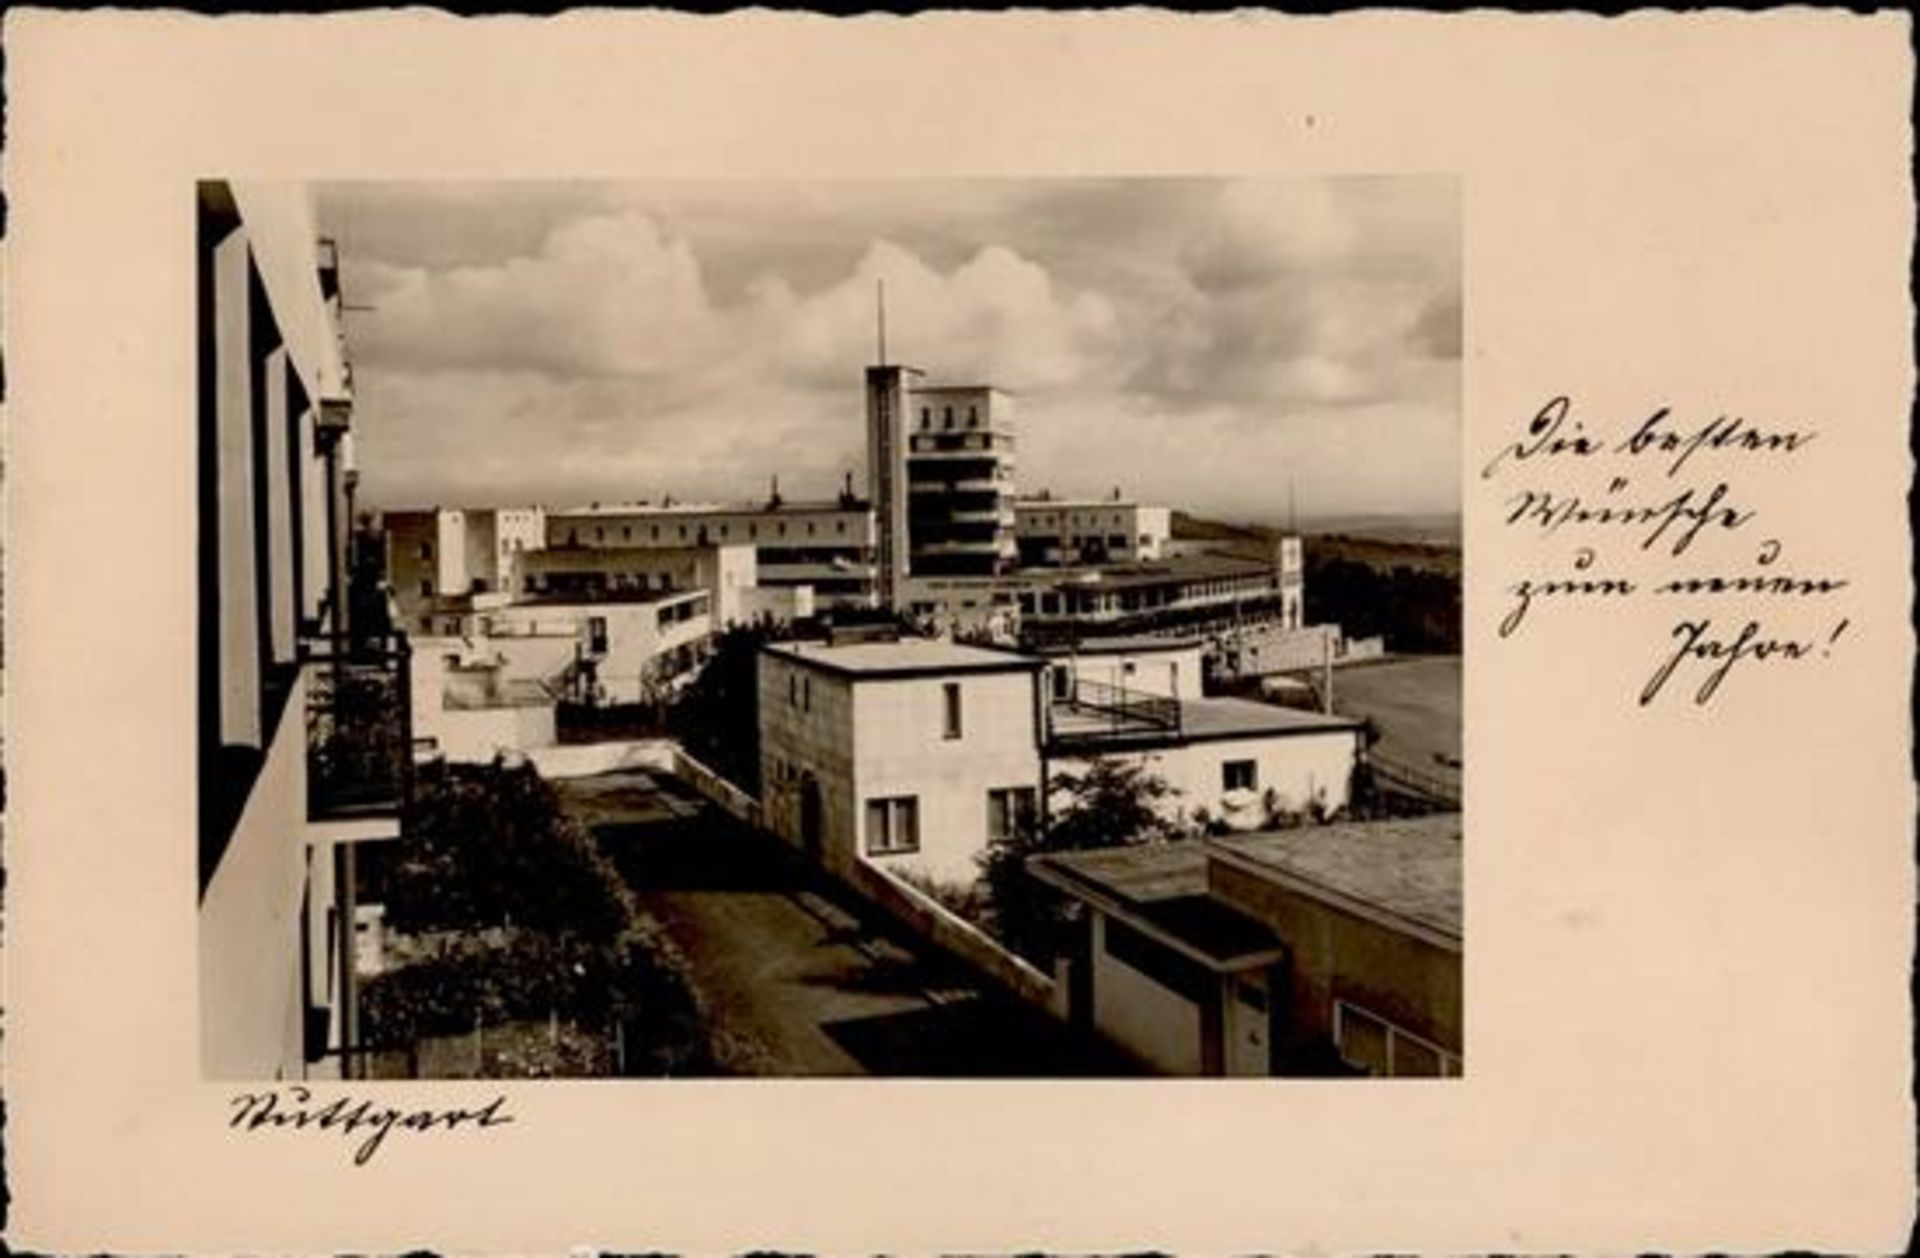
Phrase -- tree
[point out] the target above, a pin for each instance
(1111, 803)
(491, 846)
(523, 917)
(717, 716)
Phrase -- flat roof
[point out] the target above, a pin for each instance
(1081, 504)
(907, 657)
(786, 506)
(1410, 868)
(1405, 871)
(596, 598)
(1225, 717)
(1174, 568)
(1138, 873)
(1163, 886)
(1125, 644)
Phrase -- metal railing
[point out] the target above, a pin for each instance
(1116, 712)
(359, 728)
(1406, 779)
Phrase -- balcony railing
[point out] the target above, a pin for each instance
(1094, 711)
(359, 730)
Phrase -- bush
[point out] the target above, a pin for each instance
(524, 918)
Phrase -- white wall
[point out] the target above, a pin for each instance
(477, 735)
(1170, 674)
(1293, 765)
(779, 603)
(900, 749)
(1156, 1025)
(806, 733)
(251, 1011)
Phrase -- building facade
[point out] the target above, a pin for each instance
(911, 755)
(960, 481)
(1323, 951)
(831, 546)
(305, 744)
(1076, 532)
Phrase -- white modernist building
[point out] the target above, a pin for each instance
(304, 746)
(908, 754)
(920, 753)
(828, 547)
(1073, 532)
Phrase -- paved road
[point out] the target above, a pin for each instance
(801, 978)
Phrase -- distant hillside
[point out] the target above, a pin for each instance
(1406, 589)
(1383, 543)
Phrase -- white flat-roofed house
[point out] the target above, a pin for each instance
(909, 755)
(727, 572)
(826, 545)
(1065, 531)
(1322, 950)
(1232, 763)
(612, 647)
(1171, 668)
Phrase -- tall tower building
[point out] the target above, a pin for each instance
(960, 482)
(887, 476)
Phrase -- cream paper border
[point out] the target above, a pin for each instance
(1688, 930)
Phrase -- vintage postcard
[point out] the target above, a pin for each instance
(959, 633)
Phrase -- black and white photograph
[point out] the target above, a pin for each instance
(634, 632)
(941, 628)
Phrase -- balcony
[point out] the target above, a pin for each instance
(1094, 713)
(359, 731)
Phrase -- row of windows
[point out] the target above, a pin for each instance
(701, 532)
(893, 822)
(946, 417)
(1051, 518)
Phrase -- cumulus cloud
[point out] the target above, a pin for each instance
(607, 294)
(1289, 298)
(1198, 342)
(998, 317)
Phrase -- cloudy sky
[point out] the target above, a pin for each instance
(1196, 342)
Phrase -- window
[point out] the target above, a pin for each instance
(926, 417)
(426, 589)
(893, 826)
(793, 689)
(973, 417)
(654, 530)
(806, 694)
(946, 416)
(1010, 813)
(599, 534)
(626, 532)
(951, 695)
(426, 550)
(1239, 775)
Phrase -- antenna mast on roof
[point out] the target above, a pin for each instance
(880, 308)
